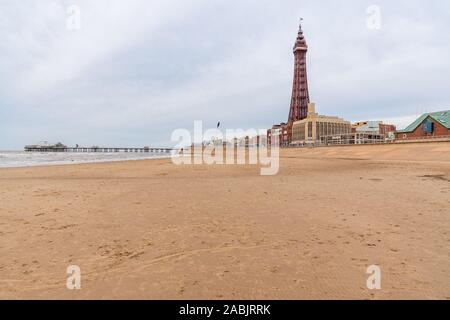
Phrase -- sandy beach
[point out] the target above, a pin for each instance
(152, 230)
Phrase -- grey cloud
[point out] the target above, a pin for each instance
(140, 69)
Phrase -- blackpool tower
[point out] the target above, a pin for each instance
(300, 93)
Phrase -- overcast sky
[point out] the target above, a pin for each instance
(136, 70)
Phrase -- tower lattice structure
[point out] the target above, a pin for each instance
(300, 93)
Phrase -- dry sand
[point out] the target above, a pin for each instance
(153, 230)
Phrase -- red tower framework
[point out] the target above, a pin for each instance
(300, 93)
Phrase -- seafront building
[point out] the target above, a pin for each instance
(310, 130)
(378, 127)
(280, 132)
(428, 126)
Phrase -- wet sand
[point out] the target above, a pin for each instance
(153, 230)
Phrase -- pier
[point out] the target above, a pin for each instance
(96, 149)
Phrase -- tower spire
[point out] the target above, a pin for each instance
(300, 31)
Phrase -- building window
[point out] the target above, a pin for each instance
(428, 127)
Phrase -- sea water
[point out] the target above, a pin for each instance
(11, 159)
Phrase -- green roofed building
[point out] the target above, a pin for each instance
(428, 125)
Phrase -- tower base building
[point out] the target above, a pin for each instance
(310, 130)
